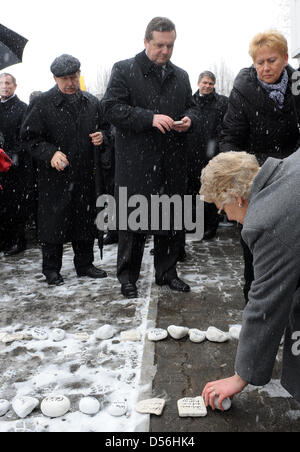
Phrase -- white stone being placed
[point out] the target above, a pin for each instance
(192, 407)
(226, 404)
(118, 408)
(151, 406)
(89, 405)
(197, 336)
(157, 334)
(215, 335)
(105, 332)
(23, 406)
(4, 407)
(39, 334)
(178, 332)
(58, 335)
(235, 331)
(55, 406)
(131, 335)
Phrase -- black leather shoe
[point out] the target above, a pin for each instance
(15, 249)
(175, 284)
(93, 272)
(129, 290)
(54, 279)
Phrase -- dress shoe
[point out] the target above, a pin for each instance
(175, 284)
(92, 272)
(129, 290)
(18, 248)
(54, 279)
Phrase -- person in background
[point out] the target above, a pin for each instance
(266, 201)
(14, 198)
(203, 142)
(62, 129)
(263, 115)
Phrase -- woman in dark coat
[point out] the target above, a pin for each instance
(263, 116)
(60, 128)
(266, 201)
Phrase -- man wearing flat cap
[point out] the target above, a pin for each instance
(62, 128)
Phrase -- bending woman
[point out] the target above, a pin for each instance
(266, 201)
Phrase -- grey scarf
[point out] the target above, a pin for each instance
(277, 91)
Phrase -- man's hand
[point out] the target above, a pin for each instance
(222, 389)
(97, 138)
(59, 161)
(163, 123)
(187, 122)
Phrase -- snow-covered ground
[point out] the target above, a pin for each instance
(108, 370)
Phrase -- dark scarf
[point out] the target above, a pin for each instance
(277, 91)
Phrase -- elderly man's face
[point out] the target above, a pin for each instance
(69, 84)
(7, 87)
(160, 49)
(206, 86)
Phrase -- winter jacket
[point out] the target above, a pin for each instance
(254, 123)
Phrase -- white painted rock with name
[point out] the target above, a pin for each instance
(58, 335)
(197, 336)
(157, 334)
(192, 407)
(151, 406)
(131, 335)
(39, 334)
(55, 406)
(118, 408)
(235, 331)
(215, 335)
(177, 332)
(4, 407)
(89, 405)
(9, 338)
(23, 406)
(226, 404)
(105, 332)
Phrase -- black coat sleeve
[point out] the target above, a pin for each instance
(235, 133)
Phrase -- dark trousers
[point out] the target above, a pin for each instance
(248, 269)
(130, 254)
(53, 254)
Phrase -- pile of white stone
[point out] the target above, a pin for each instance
(197, 336)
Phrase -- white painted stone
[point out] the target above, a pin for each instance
(226, 404)
(197, 336)
(81, 336)
(23, 406)
(235, 331)
(215, 335)
(157, 334)
(4, 407)
(118, 408)
(9, 338)
(192, 407)
(131, 335)
(58, 335)
(89, 405)
(55, 406)
(2, 336)
(105, 332)
(151, 406)
(177, 332)
(39, 334)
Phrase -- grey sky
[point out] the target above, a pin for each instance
(100, 33)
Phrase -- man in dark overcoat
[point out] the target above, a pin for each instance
(145, 96)
(203, 142)
(14, 198)
(62, 128)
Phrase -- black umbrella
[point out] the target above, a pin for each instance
(11, 47)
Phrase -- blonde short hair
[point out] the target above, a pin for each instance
(272, 39)
(228, 175)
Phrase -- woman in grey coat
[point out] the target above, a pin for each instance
(266, 201)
